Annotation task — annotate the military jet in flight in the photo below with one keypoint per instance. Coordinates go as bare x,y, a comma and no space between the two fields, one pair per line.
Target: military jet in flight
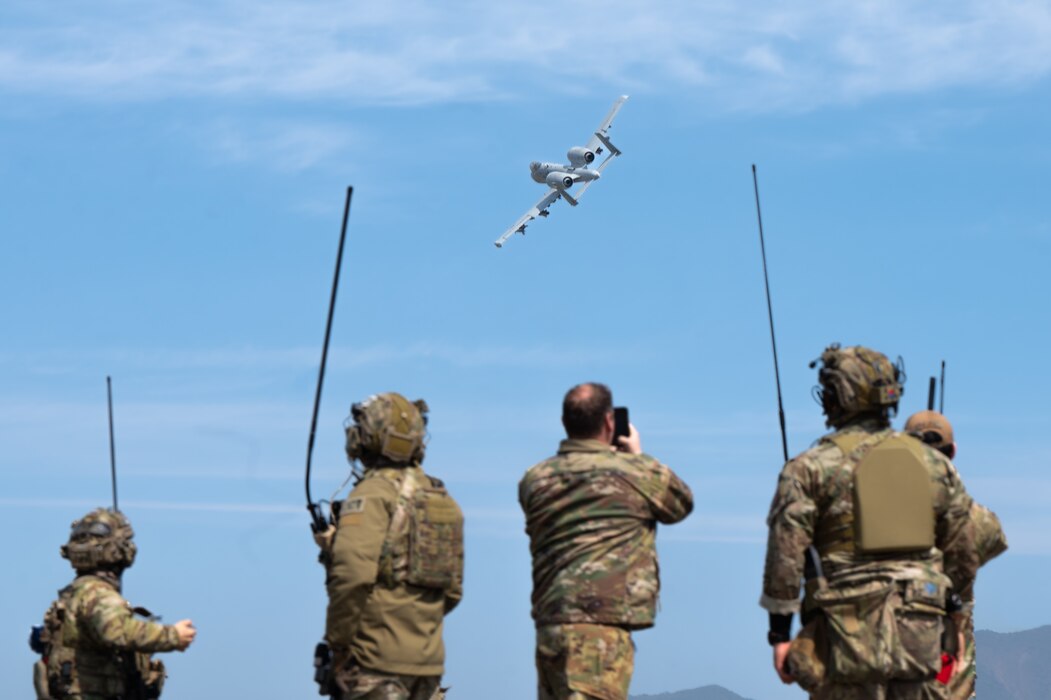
559,178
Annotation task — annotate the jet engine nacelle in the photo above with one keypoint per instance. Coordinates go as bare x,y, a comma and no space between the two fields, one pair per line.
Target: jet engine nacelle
559,180
580,156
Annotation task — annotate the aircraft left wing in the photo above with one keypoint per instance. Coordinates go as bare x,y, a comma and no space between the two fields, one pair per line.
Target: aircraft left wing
539,209
601,136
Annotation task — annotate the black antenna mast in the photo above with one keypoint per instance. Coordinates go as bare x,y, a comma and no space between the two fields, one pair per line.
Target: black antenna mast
317,518
930,394
770,314
941,401
112,444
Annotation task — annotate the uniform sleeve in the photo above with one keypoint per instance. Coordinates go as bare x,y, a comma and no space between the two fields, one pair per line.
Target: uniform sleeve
669,497
110,622
956,536
791,522
355,557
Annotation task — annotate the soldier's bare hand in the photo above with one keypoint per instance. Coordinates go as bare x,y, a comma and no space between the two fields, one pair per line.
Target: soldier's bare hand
780,657
632,443
325,537
186,631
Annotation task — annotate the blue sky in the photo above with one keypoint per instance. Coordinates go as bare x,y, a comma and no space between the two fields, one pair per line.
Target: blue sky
171,184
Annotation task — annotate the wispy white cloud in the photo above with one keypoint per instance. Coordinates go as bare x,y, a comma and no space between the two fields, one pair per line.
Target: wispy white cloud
290,146
766,54
257,358
198,507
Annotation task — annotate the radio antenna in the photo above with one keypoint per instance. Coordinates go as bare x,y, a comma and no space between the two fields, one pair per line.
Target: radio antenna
930,394
941,400
112,443
317,519
770,314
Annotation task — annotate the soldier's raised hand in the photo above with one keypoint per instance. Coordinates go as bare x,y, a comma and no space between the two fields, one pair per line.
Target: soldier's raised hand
632,443
186,631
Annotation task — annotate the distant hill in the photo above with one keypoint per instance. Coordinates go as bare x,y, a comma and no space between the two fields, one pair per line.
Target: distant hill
708,692
1014,666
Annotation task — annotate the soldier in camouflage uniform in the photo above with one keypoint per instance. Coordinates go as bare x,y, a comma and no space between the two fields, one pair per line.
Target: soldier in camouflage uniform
94,644
891,522
591,515
934,429
394,561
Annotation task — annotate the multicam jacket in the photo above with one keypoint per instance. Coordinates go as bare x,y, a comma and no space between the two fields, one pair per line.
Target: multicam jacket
102,632
591,515
389,588
817,486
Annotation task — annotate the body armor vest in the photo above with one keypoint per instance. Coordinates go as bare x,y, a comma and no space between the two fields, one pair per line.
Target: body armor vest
424,542
68,669
893,506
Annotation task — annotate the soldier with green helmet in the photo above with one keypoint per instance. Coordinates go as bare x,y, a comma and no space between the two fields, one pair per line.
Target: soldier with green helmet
890,520
394,560
934,429
591,515
94,645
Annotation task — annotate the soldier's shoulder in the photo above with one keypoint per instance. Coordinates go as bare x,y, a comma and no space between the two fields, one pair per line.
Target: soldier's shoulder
383,482
90,593
551,465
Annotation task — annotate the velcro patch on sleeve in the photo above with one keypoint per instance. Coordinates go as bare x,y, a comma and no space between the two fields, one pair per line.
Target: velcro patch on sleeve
354,505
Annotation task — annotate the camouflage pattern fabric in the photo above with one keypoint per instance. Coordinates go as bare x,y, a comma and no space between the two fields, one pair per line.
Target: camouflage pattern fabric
591,515
104,643
992,542
424,543
883,612
376,618
358,683
890,691
580,662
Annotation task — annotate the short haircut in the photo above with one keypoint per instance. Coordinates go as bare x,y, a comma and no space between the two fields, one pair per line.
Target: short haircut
584,409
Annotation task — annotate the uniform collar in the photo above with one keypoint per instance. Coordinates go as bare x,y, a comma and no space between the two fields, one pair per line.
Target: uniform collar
575,445
865,425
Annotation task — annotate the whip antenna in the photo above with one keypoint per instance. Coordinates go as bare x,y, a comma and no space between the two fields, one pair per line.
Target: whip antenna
318,520
941,400
112,444
770,314
930,394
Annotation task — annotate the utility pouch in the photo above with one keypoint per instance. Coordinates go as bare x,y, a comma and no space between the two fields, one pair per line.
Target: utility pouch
40,680
920,621
323,669
862,633
150,676
807,654
435,539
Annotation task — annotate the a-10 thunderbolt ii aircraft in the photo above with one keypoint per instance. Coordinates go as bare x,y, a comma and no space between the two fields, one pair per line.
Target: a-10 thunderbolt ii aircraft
559,178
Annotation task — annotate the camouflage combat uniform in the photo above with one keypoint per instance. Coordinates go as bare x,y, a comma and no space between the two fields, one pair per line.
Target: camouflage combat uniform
99,648
387,598
882,614
591,515
991,542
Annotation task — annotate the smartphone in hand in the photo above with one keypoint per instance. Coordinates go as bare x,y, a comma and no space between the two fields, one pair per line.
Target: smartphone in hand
620,424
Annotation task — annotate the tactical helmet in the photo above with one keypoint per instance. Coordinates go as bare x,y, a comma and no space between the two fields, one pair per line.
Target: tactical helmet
386,425
100,540
855,381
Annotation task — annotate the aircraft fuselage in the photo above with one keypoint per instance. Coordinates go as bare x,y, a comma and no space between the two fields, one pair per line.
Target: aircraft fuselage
540,171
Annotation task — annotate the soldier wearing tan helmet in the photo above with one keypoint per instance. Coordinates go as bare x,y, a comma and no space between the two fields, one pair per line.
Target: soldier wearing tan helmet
889,518
94,645
394,560
934,429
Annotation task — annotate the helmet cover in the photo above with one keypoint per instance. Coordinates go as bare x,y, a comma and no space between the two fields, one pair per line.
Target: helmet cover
102,539
856,381
386,425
